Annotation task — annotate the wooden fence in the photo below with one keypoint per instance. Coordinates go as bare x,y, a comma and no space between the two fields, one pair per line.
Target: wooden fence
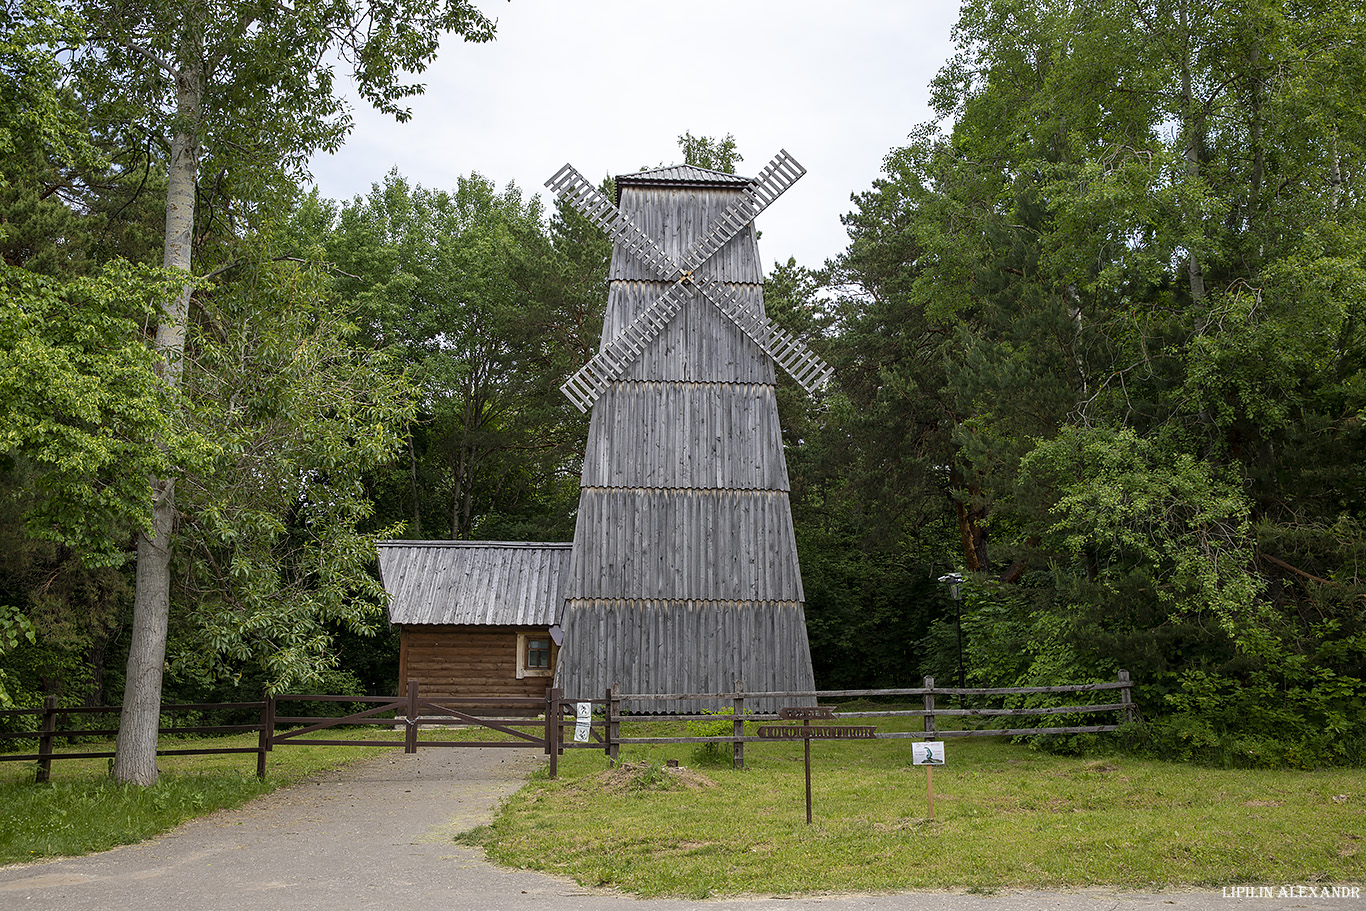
50,730
403,715
552,716
609,738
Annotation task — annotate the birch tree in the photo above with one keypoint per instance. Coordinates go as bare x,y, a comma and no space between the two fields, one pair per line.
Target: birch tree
238,94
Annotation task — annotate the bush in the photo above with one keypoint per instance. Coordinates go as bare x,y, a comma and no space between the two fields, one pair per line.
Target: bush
722,725
1255,721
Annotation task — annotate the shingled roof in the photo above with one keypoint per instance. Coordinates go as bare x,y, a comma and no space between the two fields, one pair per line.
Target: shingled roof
494,583
681,175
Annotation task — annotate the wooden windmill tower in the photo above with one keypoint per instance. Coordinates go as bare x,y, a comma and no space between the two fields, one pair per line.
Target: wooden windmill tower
683,575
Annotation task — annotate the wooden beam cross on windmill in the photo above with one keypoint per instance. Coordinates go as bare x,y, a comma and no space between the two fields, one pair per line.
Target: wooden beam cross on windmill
683,574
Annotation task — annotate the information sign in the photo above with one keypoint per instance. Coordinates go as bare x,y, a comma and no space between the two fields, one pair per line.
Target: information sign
825,732
584,711
807,713
931,752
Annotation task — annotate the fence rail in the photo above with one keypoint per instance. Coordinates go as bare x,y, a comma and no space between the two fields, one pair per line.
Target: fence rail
410,712
49,732
609,738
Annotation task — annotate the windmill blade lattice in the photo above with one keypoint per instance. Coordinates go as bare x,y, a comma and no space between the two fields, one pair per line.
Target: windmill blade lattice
593,378
584,387
598,209
799,361
773,181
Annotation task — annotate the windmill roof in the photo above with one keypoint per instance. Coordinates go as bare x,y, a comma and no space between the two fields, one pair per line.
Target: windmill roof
681,175
495,583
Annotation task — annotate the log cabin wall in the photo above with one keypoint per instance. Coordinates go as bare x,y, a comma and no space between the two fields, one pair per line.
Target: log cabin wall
467,661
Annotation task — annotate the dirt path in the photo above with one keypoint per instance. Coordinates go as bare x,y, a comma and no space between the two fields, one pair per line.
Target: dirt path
375,836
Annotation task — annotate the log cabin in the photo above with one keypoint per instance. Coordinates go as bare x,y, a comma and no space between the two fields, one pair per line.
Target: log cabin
475,617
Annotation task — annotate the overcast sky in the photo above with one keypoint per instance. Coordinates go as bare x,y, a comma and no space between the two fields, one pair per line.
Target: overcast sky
609,85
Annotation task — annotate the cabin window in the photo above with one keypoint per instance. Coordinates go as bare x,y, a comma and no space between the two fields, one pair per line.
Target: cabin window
538,652
535,655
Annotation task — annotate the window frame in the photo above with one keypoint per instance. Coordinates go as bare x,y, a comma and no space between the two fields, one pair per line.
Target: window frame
524,641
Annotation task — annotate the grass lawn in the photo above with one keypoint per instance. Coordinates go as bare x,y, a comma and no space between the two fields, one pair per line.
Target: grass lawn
1005,816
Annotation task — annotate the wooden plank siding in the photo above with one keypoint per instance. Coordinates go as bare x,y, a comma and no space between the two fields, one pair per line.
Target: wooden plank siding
668,435
473,582
685,544
466,661
683,575
690,647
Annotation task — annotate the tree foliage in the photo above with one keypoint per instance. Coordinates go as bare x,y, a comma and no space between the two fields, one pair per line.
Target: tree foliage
470,293
710,152
1111,320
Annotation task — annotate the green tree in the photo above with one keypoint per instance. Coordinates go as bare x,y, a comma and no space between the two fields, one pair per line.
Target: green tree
82,409
1121,296
200,77
468,291
710,152
272,552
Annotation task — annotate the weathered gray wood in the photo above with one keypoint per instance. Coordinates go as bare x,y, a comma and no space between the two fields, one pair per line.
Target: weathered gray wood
1125,697
473,582
655,435
684,574
929,709
707,228
684,544
667,636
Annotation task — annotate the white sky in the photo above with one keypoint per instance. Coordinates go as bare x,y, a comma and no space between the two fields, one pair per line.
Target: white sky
609,85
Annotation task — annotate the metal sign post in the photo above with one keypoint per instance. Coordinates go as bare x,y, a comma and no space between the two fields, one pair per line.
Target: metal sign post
807,734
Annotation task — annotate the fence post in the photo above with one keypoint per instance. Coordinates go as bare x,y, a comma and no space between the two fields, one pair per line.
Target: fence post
559,728
738,746
1126,697
45,738
549,716
607,726
267,731
929,709
554,709
614,725
410,720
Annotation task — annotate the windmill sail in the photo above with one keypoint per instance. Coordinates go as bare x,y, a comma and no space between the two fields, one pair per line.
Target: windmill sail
592,378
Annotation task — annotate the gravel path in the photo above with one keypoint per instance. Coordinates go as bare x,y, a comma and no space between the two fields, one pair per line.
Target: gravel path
375,836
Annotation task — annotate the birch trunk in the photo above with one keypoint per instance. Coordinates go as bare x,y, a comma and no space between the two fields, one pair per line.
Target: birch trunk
1192,125
135,751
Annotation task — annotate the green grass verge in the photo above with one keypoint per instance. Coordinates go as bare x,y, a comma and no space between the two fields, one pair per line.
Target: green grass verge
1006,816
82,810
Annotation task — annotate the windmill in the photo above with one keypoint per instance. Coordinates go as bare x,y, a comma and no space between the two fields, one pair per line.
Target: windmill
683,573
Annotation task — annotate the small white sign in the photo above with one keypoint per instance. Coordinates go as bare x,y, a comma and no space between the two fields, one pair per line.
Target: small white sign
584,711
929,753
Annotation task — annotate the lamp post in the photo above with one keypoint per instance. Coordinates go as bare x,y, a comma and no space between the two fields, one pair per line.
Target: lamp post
955,583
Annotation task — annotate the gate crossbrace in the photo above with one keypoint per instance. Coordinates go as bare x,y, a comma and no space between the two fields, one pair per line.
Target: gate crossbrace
482,722
333,722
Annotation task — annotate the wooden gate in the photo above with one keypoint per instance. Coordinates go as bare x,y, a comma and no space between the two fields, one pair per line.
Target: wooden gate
412,711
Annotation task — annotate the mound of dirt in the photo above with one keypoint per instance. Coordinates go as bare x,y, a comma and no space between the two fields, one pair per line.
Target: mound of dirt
646,776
